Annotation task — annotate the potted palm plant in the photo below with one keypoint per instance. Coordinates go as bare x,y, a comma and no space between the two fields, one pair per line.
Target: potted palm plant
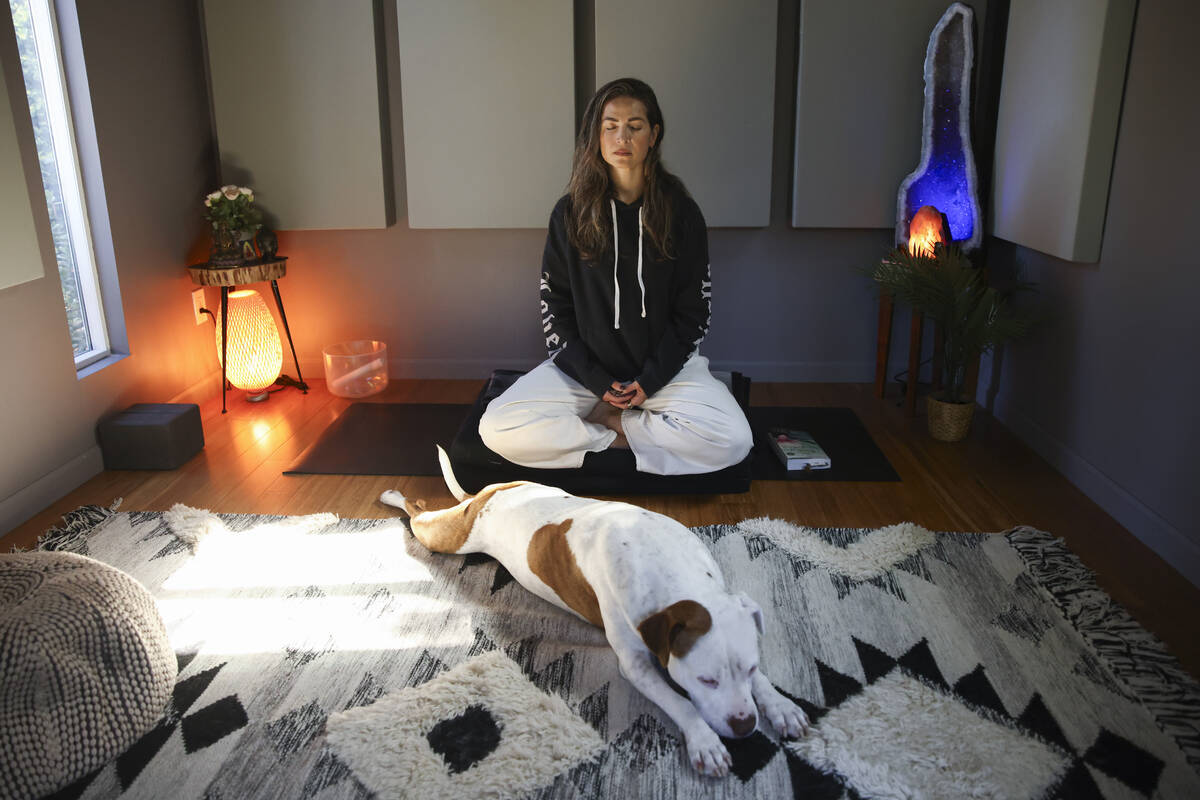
972,316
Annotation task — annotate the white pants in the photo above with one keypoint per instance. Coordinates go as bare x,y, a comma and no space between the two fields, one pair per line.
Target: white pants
691,425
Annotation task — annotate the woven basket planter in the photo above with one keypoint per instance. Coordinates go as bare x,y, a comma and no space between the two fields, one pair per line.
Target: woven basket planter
948,422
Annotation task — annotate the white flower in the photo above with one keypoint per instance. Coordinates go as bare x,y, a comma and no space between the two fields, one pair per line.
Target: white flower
214,197
246,190
230,192
208,202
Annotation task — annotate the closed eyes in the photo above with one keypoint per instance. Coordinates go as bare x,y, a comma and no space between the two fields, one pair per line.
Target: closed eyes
709,682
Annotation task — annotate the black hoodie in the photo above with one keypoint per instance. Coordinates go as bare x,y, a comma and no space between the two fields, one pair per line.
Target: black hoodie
662,313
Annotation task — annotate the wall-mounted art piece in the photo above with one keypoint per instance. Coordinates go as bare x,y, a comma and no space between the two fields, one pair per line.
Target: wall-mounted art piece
946,179
859,105
712,67
488,93
295,94
1056,128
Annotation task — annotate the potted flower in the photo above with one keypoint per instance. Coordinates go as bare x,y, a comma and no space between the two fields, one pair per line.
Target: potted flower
972,316
234,220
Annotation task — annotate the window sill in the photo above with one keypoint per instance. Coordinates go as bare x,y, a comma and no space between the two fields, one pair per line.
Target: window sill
96,366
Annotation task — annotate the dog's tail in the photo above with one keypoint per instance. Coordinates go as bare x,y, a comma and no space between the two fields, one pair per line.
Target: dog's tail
448,476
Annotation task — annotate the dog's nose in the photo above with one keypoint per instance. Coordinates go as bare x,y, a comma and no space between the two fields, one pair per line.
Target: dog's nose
742,725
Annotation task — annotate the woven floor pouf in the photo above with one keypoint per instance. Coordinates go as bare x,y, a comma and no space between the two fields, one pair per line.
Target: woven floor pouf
85,668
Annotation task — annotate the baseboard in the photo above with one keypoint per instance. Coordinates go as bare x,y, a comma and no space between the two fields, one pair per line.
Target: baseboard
477,368
51,487
1139,519
799,371
201,390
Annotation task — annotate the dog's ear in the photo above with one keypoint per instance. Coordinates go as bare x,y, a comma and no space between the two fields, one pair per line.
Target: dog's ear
755,610
675,629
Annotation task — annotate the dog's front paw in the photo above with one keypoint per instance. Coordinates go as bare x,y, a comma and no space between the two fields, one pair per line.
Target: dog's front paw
706,752
785,716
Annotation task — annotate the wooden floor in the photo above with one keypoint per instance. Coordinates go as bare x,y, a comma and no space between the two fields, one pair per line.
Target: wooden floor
990,482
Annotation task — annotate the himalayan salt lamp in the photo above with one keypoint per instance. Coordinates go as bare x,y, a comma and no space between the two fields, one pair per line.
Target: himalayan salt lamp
928,228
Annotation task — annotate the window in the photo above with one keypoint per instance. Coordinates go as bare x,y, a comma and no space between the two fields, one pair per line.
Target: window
49,108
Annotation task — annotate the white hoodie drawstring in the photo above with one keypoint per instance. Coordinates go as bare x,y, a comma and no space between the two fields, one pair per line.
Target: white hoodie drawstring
640,284
616,284
616,256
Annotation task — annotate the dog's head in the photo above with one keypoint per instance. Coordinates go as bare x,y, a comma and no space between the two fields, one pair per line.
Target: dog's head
712,653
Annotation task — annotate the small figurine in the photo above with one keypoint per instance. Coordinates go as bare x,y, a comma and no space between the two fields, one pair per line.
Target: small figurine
268,243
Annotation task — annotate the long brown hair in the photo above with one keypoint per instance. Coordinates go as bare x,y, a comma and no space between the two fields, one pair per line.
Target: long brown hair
589,223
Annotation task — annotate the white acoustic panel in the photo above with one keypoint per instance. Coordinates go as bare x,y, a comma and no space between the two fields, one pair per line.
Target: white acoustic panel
712,66
1056,128
22,260
860,91
489,108
295,93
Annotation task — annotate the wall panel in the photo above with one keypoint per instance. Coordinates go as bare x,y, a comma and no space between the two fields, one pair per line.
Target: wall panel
1056,129
295,95
712,66
489,108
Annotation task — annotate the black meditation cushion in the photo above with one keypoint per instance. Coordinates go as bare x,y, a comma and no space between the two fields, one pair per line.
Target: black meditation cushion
612,471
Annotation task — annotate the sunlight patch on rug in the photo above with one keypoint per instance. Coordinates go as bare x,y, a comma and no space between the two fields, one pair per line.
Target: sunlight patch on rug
480,730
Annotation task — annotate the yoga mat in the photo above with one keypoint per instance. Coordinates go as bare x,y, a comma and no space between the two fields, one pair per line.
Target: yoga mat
383,439
400,439
853,454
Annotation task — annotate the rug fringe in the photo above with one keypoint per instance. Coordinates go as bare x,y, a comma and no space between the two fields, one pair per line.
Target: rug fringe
72,535
1133,655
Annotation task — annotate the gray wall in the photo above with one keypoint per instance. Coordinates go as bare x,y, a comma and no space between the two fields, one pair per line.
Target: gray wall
787,304
1108,392
152,124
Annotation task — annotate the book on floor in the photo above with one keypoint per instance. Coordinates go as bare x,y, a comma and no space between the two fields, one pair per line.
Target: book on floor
797,449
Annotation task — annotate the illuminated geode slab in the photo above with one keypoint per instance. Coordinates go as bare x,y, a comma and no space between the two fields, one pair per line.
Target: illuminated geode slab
946,177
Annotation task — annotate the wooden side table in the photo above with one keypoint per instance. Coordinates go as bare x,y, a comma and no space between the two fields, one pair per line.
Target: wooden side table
232,276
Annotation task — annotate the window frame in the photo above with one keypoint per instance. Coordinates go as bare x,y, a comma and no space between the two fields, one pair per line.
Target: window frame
73,178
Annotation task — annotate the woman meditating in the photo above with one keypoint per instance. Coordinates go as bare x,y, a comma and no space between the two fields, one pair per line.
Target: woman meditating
625,297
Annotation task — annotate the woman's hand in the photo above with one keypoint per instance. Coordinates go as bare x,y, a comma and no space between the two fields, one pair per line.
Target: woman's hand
625,396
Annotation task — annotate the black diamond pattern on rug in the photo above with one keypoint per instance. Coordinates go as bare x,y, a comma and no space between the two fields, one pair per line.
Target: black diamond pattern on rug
426,668
835,686
1077,784
331,771
131,763
594,710
920,662
810,783
1120,758
750,754
367,691
976,689
213,723
1038,719
875,662
557,676
295,729
466,739
501,578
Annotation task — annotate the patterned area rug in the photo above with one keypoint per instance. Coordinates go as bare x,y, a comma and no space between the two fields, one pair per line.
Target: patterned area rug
325,658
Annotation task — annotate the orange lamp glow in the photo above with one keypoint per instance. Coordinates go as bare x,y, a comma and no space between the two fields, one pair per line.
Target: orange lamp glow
255,351
926,230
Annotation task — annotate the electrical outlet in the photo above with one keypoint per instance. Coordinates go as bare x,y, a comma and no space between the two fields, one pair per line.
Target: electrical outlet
198,305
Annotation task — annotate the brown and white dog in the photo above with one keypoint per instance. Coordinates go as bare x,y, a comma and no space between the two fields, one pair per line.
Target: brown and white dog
642,577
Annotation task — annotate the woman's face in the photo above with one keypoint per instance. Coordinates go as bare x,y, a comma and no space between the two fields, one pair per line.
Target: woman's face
625,133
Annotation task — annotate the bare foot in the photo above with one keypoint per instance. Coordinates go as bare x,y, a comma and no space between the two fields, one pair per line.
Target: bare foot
610,417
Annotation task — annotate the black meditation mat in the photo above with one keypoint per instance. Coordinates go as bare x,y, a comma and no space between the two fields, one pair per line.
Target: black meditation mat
853,454
400,439
383,439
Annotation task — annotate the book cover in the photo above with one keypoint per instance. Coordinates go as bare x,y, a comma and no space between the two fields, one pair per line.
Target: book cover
797,449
